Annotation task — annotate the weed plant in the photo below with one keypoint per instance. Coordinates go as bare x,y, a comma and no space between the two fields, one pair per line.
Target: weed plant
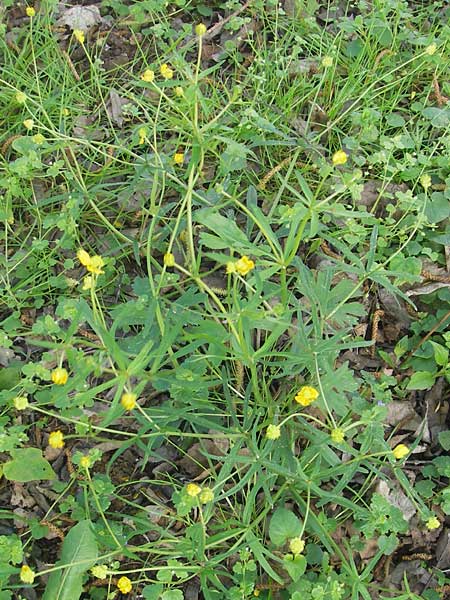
182,279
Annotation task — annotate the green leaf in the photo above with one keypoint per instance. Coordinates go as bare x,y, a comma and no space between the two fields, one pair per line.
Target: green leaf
172,595
422,380
440,354
283,526
388,543
295,566
79,553
28,464
444,439
152,592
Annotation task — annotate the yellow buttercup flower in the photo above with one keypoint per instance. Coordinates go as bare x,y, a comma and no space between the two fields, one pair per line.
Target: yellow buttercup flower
431,49
192,489
296,545
88,283
244,265
306,395
200,29
400,451
38,139
206,495
124,585
85,462
128,400
339,158
30,12
27,575
178,158
327,62
28,124
337,435
142,132
273,432
169,259
100,571
20,402
166,71
21,97
231,268
93,264
59,376
79,35
148,75
433,523
56,439
425,181
96,264
179,91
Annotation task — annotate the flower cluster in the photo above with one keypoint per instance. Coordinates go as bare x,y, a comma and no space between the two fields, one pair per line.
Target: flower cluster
400,451
205,495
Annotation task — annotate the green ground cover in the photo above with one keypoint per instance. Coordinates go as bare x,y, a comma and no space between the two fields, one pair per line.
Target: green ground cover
224,300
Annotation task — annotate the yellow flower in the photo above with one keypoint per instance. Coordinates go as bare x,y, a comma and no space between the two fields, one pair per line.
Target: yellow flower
79,35
192,489
100,571
296,545
231,268
179,91
169,259
30,11
433,523
327,62
306,395
88,283
273,432
339,158
148,75
142,132
59,376
256,593
431,49
178,158
200,29
27,575
128,400
206,495
28,124
166,71
124,585
425,180
56,439
21,98
20,402
85,462
400,451
337,435
244,265
38,139
93,264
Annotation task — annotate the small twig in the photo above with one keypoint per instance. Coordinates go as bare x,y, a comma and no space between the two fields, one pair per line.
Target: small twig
440,99
374,334
71,65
